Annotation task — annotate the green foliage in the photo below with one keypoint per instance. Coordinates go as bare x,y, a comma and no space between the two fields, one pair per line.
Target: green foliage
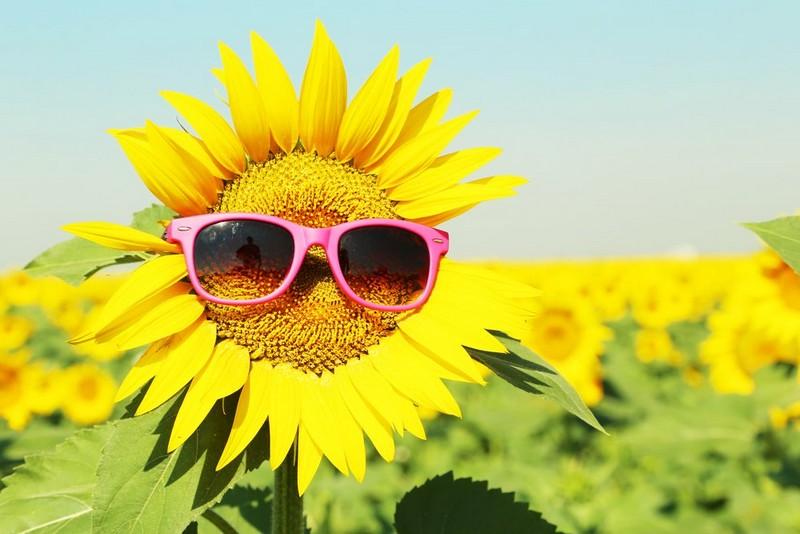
118,477
446,505
52,491
783,235
243,510
524,369
77,259
678,458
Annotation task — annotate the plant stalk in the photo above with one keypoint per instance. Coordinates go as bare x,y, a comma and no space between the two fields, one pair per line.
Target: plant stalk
287,504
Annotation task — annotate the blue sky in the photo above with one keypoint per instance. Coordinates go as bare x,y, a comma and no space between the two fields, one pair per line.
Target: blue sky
644,127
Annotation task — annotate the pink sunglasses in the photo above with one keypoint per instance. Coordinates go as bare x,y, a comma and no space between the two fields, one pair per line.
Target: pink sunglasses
247,258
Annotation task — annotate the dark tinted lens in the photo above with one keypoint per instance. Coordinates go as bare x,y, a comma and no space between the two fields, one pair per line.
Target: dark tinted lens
242,260
384,265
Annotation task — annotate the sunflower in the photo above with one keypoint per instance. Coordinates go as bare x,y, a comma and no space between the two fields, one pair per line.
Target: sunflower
568,334
321,370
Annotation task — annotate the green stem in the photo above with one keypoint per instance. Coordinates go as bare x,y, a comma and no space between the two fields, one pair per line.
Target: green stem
287,504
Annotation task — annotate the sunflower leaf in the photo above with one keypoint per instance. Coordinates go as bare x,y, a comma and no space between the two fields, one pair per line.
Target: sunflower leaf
524,369
149,219
445,505
143,488
52,491
76,259
243,510
783,235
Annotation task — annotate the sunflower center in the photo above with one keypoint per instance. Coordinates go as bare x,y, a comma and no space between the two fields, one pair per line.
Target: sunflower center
313,326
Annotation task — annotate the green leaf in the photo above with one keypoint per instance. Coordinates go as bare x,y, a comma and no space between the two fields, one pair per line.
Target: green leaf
524,369
783,235
243,510
143,488
445,505
148,219
52,492
77,259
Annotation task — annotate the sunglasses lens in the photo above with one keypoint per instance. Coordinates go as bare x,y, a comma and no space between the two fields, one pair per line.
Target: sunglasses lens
384,265
242,260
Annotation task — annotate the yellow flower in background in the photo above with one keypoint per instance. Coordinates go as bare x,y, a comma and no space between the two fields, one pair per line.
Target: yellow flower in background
735,350
313,365
14,332
88,394
567,333
658,301
775,300
13,394
44,388
655,345
18,288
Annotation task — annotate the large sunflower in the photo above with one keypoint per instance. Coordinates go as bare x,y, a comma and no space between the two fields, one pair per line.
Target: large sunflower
320,369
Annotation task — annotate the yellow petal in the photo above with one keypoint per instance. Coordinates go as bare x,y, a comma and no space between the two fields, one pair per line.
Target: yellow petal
151,278
456,197
144,369
277,92
309,456
247,107
365,114
186,174
318,420
405,90
224,373
323,95
433,339
421,118
375,391
189,351
151,169
401,365
119,237
286,397
165,318
443,173
377,428
350,433
414,156
212,129
411,420
251,411
198,150
468,330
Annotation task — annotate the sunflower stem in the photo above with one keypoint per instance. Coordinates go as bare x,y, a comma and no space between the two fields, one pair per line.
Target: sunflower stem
287,504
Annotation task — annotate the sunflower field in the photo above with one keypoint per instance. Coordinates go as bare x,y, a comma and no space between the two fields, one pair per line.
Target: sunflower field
281,343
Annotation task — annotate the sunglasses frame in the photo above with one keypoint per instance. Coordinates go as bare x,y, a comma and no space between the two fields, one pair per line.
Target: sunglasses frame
183,231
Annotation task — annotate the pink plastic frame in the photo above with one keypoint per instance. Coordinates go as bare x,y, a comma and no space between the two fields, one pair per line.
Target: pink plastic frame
183,231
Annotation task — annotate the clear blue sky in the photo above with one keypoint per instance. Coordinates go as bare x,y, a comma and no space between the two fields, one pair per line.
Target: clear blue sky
645,127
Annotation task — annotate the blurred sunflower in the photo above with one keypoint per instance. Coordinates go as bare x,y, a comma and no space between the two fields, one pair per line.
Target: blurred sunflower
775,299
88,393
13,391
321,370
736,349
567,332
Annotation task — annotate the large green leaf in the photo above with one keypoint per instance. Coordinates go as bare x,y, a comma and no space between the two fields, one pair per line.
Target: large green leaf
52,492
445,505
783,235
149,219
142,488
524,369
243,510
76,259
118,477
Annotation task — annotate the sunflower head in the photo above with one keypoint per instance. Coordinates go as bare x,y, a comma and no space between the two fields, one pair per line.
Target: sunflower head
322,370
